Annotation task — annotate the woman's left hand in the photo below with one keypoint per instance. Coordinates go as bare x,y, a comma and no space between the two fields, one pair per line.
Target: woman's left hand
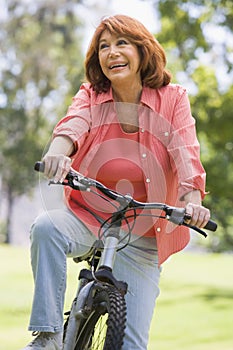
198,213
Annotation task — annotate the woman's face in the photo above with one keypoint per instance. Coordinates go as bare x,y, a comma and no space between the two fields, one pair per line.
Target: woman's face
119,59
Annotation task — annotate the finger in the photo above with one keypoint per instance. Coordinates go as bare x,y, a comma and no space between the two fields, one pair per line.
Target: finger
54,166
63,169
200,217
206,218
66,169
50,166
189,212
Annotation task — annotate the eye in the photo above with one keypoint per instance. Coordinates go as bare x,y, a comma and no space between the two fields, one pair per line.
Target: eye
122,42
103,46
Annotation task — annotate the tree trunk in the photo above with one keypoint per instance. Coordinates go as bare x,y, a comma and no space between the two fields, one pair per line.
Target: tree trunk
10,203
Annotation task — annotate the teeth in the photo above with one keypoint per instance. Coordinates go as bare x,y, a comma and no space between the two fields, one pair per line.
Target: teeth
118,65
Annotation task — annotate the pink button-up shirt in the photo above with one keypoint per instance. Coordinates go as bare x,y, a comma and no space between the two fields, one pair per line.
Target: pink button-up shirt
168,149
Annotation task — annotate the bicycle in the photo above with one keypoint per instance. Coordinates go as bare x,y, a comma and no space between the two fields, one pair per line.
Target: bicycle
97,317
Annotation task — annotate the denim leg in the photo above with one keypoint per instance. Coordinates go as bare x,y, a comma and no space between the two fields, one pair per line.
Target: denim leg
137,264
54,236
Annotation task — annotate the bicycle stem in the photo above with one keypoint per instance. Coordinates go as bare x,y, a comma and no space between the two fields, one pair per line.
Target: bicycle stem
109,253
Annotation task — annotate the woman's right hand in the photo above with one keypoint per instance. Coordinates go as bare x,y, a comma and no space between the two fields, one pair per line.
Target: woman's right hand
57,166
57,161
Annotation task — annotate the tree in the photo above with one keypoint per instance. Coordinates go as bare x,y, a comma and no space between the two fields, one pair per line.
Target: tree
198,40
41,67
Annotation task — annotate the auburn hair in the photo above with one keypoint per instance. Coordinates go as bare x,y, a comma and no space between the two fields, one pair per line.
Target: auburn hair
153,58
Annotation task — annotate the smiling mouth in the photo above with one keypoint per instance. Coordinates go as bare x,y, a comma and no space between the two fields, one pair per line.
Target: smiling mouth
118,65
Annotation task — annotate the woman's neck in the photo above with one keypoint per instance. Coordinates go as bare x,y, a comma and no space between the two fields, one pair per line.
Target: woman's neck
130,94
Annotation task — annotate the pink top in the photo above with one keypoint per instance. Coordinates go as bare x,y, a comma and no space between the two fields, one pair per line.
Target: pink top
160,163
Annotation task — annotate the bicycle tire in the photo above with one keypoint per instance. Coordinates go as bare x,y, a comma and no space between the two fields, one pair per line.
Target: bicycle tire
109,307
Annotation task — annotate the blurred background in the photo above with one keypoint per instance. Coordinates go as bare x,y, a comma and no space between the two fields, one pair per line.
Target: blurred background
42,48
43,44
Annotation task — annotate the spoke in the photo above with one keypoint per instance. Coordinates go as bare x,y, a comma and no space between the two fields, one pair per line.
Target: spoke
99,334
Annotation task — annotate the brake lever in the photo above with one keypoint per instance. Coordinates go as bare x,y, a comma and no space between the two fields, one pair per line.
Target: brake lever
51,182
197,229
175,215
179,217
73,183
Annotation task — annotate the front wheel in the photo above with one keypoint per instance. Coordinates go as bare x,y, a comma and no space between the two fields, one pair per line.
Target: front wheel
105,327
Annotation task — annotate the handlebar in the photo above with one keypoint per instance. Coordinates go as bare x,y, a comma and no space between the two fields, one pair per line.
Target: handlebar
80,182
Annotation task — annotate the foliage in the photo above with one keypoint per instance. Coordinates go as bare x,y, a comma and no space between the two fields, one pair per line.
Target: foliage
198,39
41,60
42,68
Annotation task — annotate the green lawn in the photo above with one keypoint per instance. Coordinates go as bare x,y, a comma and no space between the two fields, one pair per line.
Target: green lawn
194,310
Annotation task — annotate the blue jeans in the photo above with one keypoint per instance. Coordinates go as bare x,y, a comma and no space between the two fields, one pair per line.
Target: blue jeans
58,234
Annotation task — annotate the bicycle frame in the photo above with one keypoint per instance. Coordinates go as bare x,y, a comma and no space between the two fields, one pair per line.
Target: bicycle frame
102,254
92,280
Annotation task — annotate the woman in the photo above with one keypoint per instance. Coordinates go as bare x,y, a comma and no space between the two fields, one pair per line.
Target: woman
130,128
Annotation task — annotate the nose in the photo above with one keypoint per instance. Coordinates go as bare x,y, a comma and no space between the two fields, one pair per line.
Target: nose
113,52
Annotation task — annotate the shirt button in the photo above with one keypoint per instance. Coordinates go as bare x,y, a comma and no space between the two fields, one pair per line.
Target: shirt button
142,130
148,180
166,133
158,229
143,155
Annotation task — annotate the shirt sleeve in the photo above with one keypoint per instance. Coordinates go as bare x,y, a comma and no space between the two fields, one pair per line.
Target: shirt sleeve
184,148
77,121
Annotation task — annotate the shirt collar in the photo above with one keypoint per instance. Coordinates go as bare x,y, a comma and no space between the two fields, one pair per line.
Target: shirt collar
104,97
147,98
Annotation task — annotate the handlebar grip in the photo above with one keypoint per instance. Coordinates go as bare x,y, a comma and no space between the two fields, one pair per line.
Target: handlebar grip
211,226
39,166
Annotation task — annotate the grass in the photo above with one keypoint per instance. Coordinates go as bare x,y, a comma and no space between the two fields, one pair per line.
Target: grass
194,310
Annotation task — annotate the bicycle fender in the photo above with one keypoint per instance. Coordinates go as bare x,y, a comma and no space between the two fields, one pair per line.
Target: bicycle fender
82,298
71,332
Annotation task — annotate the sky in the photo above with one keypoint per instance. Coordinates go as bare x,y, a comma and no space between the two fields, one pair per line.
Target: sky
94,10
141,10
